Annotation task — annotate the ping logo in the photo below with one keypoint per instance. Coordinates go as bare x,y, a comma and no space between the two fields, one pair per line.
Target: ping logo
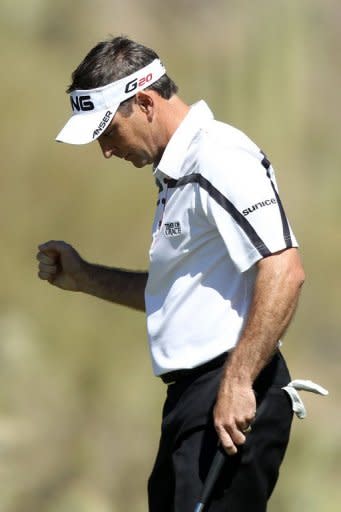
172,229
134,84
83,103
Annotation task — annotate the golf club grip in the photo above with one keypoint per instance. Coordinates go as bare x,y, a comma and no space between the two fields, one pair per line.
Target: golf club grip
217,464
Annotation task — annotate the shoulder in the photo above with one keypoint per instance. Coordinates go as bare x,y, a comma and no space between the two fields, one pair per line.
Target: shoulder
226,155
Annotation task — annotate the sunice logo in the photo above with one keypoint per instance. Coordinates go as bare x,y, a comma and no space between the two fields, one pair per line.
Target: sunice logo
261,204
134,84
83,103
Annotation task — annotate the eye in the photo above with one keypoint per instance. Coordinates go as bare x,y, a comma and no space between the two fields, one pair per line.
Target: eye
109,132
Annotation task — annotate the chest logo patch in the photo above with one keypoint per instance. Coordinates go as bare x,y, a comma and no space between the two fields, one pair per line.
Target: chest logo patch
172,229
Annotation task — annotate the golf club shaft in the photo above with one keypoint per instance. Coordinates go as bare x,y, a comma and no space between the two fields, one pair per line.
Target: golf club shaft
216,466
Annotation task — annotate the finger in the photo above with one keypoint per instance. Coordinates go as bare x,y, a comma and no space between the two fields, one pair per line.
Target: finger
237,436
244,423
226,441
46,276
233,430
47,268
246,430
250,417
49,258
53,246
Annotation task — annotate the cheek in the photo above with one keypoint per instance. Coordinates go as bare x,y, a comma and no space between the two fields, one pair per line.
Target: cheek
128,138
141,132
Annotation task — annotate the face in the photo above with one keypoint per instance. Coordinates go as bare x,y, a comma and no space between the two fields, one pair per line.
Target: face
130,138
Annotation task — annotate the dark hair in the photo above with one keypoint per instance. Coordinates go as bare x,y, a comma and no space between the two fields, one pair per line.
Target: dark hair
114,59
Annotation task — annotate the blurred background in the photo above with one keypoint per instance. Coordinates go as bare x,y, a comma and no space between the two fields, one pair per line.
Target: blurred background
79,407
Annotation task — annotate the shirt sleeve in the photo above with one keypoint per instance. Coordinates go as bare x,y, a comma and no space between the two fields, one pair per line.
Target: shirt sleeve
242,201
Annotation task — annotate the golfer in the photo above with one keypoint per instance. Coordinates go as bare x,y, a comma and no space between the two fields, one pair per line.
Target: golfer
222,285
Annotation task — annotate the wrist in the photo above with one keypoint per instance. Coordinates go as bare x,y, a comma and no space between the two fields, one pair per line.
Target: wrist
239,370
240,379
84,276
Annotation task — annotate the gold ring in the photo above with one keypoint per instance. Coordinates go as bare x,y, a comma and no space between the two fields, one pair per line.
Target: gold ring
247,430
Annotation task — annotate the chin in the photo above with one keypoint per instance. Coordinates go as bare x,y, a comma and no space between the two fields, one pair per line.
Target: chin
140,162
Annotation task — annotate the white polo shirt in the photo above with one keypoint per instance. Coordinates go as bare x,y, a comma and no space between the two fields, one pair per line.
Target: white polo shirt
218,213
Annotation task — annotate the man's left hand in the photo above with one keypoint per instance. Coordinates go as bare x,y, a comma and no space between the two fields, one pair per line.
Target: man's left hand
234,412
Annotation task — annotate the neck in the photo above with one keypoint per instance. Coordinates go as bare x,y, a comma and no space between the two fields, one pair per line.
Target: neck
170,115
174,115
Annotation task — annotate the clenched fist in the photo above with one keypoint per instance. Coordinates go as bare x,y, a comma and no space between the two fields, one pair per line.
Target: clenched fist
61,265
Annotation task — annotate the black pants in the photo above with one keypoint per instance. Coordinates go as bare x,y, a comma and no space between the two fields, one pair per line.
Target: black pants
188,443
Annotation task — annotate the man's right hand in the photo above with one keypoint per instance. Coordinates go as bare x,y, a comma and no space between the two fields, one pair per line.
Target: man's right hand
61,265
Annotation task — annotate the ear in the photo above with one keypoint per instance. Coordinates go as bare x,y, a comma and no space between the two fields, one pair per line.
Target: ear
145,102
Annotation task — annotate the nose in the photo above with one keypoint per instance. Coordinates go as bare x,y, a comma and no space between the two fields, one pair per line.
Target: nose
107,149
107,153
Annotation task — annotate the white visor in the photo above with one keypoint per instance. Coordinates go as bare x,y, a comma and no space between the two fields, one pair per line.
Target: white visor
93,109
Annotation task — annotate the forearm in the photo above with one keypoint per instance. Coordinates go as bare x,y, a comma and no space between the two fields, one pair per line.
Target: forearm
115,285
275,298
277,286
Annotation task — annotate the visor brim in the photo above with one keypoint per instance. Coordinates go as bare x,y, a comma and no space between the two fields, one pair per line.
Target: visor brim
86,127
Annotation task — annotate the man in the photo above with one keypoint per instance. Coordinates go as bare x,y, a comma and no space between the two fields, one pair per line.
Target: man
222,286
